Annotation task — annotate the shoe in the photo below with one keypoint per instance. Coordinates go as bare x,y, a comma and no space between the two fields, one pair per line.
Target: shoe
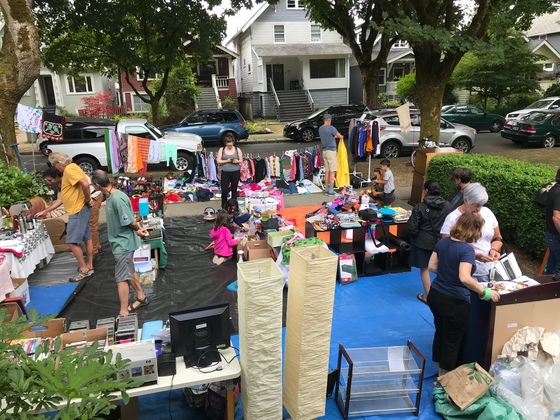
220,260
422,298
215,259
331,193
80,276
137,304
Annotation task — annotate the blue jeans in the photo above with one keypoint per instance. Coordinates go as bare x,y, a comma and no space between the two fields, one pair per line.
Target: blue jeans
553,262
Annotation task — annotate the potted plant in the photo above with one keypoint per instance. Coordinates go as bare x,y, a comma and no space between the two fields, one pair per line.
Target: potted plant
19,186
82,381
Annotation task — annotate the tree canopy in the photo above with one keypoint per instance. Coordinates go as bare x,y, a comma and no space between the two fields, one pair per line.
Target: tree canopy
497,70
132,37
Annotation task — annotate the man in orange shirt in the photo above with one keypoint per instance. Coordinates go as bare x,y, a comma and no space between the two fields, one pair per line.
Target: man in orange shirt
76,197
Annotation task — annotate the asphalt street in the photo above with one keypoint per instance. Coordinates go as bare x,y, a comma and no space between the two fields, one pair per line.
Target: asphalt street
486,143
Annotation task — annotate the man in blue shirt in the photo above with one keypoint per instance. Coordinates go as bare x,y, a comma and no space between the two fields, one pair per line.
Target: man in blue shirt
328,135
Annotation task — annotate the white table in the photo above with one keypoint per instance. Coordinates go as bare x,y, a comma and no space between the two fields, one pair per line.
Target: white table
38,247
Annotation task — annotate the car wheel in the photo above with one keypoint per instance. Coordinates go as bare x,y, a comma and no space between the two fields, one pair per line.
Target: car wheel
390,149
549,142
185,161
229,135
496,126
307,135
462,144
43,148
87,164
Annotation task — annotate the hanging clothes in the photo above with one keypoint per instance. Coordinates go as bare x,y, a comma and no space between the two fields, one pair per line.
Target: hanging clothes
144,151
170,152
260,169
343,172
122,140
29,119
52,127
116,162
212,168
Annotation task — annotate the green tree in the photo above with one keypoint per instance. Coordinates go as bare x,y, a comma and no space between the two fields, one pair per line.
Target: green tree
440,32
19,67
406,89
130,37
553,90
342,16
498,69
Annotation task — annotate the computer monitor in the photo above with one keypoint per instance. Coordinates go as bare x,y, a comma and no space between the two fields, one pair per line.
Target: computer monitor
198,333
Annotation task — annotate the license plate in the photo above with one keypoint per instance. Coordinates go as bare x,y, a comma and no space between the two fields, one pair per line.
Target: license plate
515,128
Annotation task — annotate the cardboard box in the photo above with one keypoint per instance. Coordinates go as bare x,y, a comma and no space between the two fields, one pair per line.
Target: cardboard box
51,329
275,238
347,269
81,337
143,360
143,254
21,289
13,311
257,250
466,384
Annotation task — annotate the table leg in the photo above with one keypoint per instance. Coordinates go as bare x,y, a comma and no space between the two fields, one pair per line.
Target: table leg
229,400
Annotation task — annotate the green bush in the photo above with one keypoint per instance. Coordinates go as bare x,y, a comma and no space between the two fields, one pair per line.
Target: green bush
19,186
553,90
511,187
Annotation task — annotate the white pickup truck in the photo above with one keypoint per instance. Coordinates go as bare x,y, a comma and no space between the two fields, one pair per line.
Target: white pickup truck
85,144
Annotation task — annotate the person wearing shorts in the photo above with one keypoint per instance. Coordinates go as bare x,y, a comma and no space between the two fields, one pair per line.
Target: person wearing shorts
76,197
388,182
124,235
328,135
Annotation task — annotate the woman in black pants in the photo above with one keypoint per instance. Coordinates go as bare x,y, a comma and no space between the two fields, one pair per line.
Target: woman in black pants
229,158
453,261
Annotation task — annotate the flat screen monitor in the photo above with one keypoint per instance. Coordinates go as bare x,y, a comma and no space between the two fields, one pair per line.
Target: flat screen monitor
198,333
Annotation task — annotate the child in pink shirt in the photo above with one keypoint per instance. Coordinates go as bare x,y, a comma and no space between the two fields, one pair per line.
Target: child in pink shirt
221,235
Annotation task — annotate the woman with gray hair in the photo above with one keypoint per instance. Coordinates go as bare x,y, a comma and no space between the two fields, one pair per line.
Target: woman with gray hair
488,247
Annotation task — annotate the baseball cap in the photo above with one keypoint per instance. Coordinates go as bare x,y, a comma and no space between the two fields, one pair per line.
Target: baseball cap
327,117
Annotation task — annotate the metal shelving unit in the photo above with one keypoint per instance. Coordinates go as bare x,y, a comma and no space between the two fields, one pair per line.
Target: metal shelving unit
379,380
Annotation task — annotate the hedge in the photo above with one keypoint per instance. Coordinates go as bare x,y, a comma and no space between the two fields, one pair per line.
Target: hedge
511,187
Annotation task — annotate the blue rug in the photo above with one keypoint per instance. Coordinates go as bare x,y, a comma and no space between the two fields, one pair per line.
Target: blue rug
50,299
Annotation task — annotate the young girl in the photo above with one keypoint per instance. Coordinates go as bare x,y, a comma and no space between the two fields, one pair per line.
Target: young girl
239,219
223,242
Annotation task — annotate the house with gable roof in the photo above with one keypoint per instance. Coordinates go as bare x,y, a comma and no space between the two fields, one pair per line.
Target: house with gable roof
544,39
289,66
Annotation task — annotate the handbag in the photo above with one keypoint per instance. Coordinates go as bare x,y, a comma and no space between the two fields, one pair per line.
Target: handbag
506,268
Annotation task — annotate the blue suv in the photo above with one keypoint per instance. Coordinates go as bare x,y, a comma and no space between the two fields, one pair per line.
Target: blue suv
213,125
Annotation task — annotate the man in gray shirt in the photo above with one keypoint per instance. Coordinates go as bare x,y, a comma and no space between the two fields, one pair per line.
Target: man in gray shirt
328,135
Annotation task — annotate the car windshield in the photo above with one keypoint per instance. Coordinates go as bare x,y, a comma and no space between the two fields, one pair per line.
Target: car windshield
543,103
536,117
154,129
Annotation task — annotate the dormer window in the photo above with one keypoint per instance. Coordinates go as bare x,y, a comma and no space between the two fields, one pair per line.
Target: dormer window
294,4
400,44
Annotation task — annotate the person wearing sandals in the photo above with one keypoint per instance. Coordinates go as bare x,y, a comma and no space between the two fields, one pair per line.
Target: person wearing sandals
76,197
124,235
423,229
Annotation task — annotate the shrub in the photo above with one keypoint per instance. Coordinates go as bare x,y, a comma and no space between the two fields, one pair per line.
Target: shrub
228,103
98,106
553,90
19,186
511,187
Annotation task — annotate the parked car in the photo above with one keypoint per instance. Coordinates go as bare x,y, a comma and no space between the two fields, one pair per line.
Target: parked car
78,128
540,128
213,125
89,152
394,143
307,129
552,102
473,116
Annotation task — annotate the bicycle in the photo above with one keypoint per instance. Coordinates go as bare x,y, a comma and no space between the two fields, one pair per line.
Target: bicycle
427,144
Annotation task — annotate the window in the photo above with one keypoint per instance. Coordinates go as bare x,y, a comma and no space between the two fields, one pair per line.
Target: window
327,68
213,118
400,44
315,33
249,69
397,73
382,77
80,84
548,67
196,119
138,105
294,4
279,34
205,71
152,75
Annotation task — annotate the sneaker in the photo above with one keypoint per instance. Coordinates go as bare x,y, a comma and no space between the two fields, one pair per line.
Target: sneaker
220,260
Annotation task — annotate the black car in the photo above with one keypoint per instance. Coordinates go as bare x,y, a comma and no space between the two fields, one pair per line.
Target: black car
308,128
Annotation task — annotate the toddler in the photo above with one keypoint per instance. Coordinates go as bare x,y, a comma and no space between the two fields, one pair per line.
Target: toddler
221,235
239,219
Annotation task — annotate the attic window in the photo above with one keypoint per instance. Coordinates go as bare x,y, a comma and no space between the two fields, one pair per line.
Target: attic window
400,44
294,4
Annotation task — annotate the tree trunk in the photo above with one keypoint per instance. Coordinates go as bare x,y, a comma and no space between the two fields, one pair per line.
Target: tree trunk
431,77
370,82
154,103
19,67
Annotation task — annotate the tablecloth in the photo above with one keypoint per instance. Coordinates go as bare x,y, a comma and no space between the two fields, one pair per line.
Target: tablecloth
38,247
6,285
